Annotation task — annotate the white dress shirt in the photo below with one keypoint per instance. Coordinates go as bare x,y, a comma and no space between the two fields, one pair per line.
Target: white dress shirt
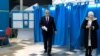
47,18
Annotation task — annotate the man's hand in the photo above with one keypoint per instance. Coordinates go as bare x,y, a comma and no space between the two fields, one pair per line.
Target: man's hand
44,28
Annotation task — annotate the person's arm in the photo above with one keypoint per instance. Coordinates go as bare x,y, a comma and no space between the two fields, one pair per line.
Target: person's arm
42,26
95,26
84,25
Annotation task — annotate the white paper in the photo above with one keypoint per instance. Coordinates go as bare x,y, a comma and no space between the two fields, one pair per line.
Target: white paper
44,28
31,16
17,24
31,24
25,16
17,16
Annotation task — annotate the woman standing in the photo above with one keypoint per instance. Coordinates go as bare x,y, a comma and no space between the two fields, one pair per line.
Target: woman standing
90,27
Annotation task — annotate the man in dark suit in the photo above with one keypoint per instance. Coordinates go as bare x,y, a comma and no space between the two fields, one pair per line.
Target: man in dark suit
48,27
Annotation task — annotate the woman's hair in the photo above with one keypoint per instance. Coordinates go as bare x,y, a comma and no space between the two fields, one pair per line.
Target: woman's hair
90,13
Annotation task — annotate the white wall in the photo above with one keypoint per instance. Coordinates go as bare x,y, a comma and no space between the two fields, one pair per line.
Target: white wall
25,34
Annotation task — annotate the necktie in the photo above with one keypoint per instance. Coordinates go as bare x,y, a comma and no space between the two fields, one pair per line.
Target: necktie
47,19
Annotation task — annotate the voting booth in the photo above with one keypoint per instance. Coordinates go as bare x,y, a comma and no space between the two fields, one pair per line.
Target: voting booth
24,22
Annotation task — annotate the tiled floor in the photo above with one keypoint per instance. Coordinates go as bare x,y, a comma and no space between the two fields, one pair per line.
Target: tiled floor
27,48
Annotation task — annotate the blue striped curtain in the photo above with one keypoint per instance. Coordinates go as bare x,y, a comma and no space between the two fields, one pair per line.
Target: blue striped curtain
38,13
78,14
61,25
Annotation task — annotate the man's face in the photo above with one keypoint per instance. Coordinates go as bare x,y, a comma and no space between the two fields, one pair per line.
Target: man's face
47,13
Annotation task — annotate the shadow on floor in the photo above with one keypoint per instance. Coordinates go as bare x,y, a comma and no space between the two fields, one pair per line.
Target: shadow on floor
10,50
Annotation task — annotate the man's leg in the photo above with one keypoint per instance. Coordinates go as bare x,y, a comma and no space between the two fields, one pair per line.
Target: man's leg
49,44
45,42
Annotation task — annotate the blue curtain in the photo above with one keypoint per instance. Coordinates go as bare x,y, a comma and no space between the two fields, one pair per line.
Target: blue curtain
78,13
74,26
98,17
97,14
61,25
38,13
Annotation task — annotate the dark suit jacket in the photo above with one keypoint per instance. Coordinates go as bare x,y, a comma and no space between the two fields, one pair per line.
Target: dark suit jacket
51,24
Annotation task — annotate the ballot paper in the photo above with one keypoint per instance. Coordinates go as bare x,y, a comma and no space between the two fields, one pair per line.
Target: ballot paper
44,28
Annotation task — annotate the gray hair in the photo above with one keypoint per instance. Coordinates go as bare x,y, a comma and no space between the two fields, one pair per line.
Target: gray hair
47,10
